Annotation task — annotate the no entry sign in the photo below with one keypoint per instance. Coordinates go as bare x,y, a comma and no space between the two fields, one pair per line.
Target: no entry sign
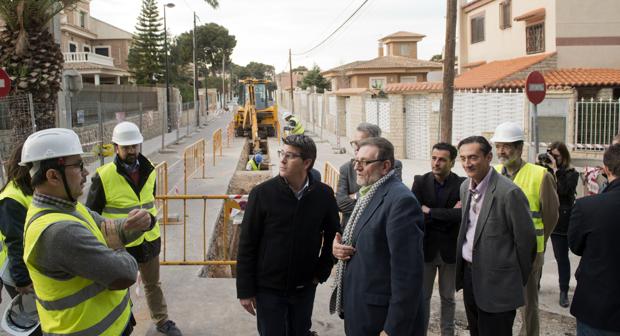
535,87
5,83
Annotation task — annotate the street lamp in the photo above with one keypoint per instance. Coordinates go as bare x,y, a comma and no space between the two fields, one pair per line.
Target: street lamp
169,5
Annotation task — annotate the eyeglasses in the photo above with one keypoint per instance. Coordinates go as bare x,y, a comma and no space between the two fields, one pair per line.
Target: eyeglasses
288,155
77,164
363,163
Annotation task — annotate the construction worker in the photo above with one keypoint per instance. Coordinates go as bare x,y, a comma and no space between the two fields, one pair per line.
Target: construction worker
294,125
255,162
79,269
117,188
539,187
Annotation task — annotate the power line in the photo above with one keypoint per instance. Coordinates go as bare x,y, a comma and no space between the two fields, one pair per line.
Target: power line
334,32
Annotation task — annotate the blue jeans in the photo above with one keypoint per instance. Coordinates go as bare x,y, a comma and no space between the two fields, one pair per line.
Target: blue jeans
586,330
279,314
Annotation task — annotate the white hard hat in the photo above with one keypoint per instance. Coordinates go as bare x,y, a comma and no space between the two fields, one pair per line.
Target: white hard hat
286,115
49,144
20,317
508,132
126,134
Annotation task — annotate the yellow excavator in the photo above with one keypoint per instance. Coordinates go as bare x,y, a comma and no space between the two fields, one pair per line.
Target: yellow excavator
257,118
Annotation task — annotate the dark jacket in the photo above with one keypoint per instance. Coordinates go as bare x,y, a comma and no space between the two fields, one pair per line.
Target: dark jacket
347,185
96,201
441,225
12,219
567,180
593,234
286,243
383,280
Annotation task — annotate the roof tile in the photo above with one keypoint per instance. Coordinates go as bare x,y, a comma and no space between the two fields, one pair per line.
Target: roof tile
572,77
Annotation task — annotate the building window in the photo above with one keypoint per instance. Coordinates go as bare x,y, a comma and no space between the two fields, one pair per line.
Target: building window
82,19
73,47
405,49
505,15
377,82
103,51
86,48
535,38
477,29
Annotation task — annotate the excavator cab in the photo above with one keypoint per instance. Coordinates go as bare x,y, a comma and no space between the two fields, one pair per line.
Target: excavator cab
257,118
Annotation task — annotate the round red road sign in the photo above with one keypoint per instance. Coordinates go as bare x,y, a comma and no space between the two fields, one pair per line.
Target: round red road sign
535,87
5,83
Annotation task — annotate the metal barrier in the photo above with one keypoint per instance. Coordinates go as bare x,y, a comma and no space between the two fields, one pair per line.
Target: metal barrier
230,132
217,143
230,202
193,160
331,175
161,185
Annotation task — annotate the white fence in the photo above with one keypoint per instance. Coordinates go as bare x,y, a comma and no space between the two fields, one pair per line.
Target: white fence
596,123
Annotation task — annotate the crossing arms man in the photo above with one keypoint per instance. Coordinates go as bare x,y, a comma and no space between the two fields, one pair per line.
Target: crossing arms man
294,125
63,240
538,185
118,188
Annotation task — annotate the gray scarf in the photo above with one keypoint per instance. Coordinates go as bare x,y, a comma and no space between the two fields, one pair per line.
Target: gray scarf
335,302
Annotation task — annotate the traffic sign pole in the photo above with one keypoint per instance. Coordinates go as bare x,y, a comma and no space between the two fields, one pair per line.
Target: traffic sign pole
5,83
535,89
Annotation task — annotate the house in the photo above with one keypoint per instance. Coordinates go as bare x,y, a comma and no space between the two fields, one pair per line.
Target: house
97,50
283,79
396,62
582,34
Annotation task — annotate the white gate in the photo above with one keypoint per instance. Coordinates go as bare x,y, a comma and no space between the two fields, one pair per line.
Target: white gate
378,113
417,126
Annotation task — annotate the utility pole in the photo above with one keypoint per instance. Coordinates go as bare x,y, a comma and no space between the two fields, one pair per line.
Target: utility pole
230,83
223,78
445,117
196,102
290,68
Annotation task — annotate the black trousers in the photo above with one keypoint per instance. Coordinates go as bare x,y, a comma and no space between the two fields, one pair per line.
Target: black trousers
483,323
560,251
280,314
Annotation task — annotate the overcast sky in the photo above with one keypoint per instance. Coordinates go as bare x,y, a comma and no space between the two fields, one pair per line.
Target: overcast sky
266,29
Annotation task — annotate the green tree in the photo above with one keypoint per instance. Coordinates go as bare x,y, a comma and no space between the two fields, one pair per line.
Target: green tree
300,68
30,56
314,78
213,42
437,58
146,53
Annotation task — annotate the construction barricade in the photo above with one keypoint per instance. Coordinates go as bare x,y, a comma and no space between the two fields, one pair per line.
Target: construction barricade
218,248
230,133
193,161
217,143
331,175
161,185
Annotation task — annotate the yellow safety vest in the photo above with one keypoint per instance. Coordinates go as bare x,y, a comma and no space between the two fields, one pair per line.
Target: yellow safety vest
120,199
75,306
529,178
254,165
299,129
11,191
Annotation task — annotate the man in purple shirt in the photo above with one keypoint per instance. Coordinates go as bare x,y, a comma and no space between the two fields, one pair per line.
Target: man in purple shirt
496,244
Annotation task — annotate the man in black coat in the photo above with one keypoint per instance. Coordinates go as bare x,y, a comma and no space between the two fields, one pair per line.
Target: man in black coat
438,193
284,249
593,234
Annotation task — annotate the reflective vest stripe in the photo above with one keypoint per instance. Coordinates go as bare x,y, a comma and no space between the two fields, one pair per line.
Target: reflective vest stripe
536,214
253,164
127,210
74,299
104,324
298,129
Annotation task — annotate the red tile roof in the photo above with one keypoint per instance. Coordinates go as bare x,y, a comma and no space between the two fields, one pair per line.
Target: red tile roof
402,34
396,62
418,86
572,77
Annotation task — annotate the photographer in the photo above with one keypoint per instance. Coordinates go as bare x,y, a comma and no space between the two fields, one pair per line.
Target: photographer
558,161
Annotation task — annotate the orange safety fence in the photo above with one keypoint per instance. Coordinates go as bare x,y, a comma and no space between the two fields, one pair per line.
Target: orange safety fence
217,143
161,185
193,161
193,252
331,175
230,133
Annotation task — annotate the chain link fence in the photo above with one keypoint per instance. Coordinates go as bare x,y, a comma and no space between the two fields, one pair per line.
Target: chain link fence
16,123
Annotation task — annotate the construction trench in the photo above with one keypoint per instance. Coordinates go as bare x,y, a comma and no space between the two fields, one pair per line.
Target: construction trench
222,244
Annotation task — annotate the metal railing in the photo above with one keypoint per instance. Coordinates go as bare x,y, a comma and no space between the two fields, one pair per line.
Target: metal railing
223,236
193,160
596,123
217,143
331,175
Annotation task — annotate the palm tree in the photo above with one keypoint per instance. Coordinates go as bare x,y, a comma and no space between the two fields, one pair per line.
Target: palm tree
30,56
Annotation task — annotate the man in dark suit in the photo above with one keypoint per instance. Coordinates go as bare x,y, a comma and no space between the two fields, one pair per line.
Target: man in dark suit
496,244
593,234
379,275
346,192
438,193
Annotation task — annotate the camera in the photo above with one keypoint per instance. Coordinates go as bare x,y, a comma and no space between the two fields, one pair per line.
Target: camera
544,159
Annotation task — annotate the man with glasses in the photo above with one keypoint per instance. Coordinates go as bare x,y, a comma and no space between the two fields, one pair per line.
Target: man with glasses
282,255
378,285
347,190
117,188
76,260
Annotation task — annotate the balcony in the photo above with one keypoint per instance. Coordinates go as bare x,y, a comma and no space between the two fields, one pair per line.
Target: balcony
88,57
